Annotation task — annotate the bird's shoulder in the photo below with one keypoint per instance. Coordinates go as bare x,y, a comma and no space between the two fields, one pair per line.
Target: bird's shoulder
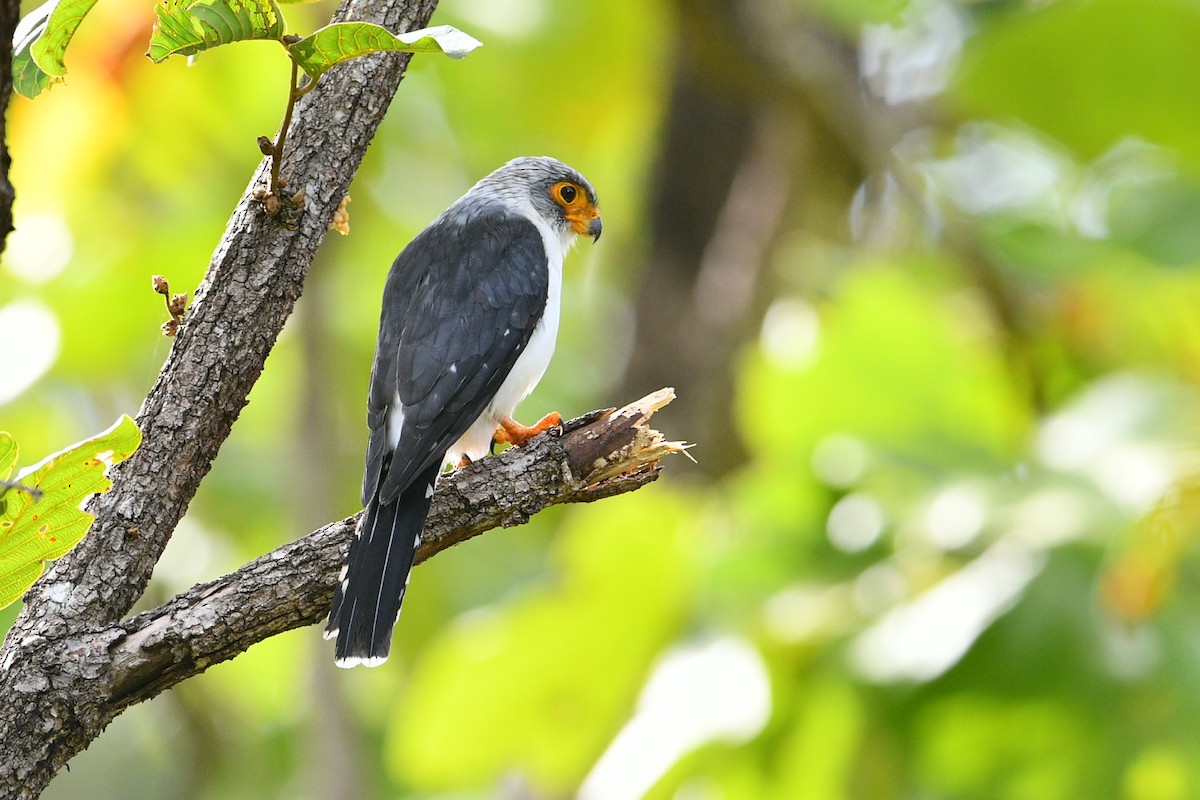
468,232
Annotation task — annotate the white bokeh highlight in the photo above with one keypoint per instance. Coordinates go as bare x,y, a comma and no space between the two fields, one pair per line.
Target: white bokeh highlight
699,694
31,337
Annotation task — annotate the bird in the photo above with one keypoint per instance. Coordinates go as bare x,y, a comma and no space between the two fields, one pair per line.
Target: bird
470,315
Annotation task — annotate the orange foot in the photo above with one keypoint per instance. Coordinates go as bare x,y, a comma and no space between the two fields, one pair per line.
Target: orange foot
516,434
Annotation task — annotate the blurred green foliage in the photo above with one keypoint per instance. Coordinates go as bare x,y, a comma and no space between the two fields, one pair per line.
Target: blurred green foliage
960,557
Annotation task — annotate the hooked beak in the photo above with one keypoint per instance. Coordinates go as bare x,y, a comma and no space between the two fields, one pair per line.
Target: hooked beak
586,221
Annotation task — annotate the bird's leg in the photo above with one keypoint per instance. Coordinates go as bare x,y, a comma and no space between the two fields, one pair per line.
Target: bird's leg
465,461
516,434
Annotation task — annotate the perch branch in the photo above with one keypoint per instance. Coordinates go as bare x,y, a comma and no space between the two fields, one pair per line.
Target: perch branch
291,586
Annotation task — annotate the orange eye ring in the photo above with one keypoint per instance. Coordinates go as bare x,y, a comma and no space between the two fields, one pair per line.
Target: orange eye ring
567,193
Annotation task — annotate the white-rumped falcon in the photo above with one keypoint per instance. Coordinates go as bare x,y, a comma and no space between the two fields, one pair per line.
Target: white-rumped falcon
470,315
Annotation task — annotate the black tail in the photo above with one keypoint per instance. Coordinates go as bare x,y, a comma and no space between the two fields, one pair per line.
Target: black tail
367,599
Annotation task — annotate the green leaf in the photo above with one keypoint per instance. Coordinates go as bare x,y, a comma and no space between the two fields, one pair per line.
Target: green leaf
928,392
343,41
50,47
8,455
29,79
1158,220
35,530
1056,69
185,29
40,42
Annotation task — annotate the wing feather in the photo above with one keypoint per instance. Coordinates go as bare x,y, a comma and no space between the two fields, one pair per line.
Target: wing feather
450,297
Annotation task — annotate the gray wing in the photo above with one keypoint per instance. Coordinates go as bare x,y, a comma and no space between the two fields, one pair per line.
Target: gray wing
460,304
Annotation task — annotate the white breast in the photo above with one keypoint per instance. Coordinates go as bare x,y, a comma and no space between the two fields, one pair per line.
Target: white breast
534,359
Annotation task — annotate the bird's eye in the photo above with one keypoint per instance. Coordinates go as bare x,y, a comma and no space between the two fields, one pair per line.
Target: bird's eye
568,193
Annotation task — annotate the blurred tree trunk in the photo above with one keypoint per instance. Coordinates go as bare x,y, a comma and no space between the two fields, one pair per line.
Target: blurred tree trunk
744,148
333,767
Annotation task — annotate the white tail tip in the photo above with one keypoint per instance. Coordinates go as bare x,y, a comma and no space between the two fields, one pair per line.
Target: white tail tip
349,662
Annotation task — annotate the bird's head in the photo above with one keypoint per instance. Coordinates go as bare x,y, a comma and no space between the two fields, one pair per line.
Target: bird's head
557,192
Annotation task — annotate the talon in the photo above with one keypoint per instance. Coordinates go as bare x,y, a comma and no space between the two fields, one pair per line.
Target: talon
516,434
465,461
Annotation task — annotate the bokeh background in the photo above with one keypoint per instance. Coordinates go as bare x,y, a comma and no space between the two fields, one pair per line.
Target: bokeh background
924,275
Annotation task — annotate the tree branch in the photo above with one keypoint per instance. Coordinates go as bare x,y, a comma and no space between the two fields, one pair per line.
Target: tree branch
597,456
